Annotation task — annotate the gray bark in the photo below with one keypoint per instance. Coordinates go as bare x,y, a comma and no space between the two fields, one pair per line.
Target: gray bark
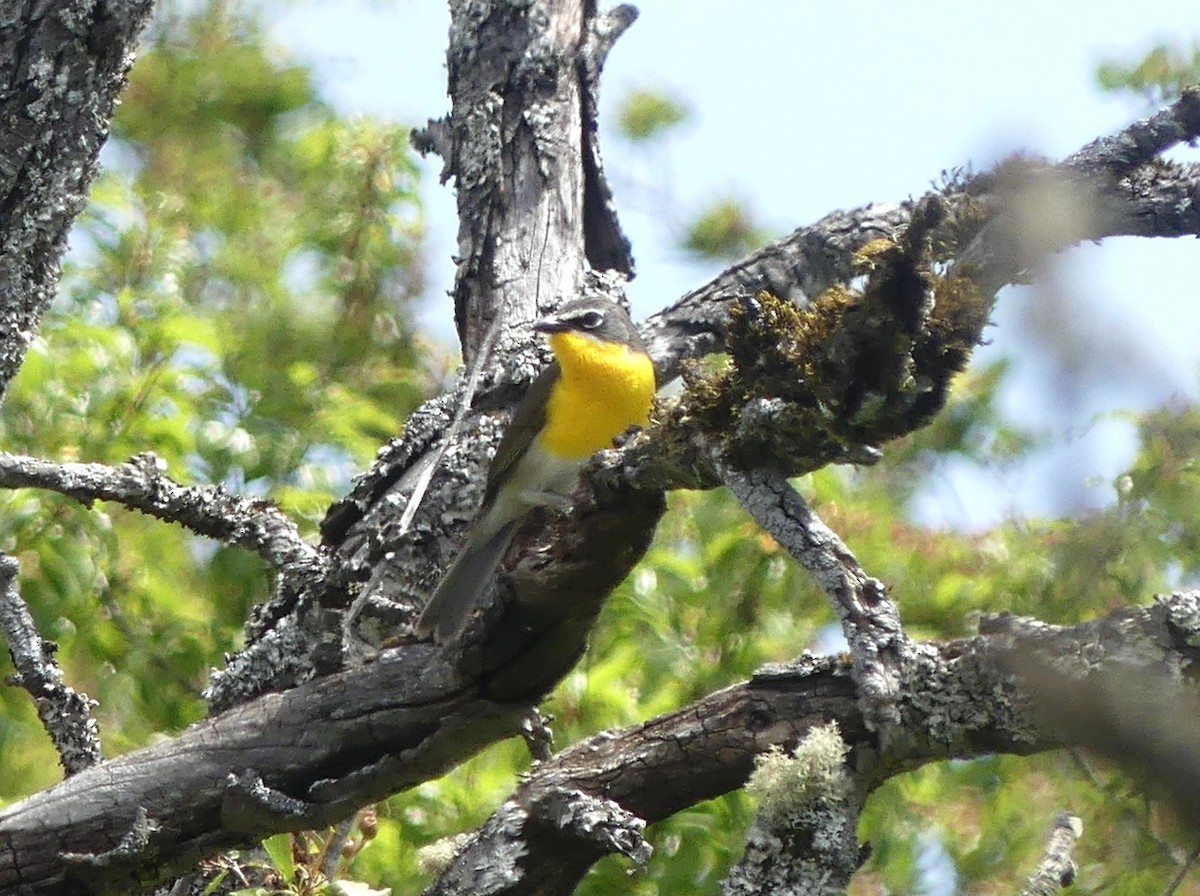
1057,867
345,727
65,713
960,699
62,65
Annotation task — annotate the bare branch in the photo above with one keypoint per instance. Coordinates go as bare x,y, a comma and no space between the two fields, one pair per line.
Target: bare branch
869,618
66,714
321,750
141,484
1120,177
576,824
304,758
1140,713
1056,871
798,267
1119,154
958,699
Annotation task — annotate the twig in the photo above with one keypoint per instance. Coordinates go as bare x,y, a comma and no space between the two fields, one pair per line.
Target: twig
464,404
1057,867
141,484
66,714
539,738
337,841
1183,872
869,619
1137,144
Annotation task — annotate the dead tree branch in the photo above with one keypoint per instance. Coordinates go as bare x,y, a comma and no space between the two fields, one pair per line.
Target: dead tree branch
870,620
142,484
62,64
66,714
1121,178
1056,870
958,699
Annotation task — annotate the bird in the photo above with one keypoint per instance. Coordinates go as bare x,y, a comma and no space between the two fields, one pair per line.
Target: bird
600,383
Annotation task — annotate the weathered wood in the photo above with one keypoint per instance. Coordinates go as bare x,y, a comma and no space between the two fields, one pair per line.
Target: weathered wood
62,64
300,759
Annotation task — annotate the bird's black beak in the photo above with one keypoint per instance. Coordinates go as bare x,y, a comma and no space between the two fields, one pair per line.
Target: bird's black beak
551,325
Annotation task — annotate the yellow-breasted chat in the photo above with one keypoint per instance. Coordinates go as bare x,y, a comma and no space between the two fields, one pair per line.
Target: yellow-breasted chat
600,383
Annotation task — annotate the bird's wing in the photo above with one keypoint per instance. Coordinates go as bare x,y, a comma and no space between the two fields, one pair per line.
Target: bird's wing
527,422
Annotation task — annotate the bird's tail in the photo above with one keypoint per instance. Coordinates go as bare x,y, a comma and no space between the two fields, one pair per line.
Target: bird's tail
464,584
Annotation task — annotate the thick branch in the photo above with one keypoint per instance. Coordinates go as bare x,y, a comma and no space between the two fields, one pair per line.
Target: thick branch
302,759
1120,178
62,64
798,267
1138,713
958,700
607,247
514,144
323,749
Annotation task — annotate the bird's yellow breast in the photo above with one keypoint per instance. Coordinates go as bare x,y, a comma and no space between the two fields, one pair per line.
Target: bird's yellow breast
605,388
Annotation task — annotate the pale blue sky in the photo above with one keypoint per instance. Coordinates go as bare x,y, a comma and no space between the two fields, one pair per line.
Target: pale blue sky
802,108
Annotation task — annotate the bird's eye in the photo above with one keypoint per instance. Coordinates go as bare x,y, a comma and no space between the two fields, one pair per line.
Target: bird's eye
590,320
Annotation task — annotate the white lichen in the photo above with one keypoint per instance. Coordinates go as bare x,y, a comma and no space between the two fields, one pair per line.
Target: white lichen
785,786
434,858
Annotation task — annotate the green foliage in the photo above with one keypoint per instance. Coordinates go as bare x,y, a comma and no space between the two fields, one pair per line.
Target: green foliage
645,115
237,304
297,864
992,815
290,230
715,599
1160,76
724,230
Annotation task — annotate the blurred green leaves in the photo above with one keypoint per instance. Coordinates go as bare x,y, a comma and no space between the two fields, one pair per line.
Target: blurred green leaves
645,114
237,302
724,230
720,229
1158,77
